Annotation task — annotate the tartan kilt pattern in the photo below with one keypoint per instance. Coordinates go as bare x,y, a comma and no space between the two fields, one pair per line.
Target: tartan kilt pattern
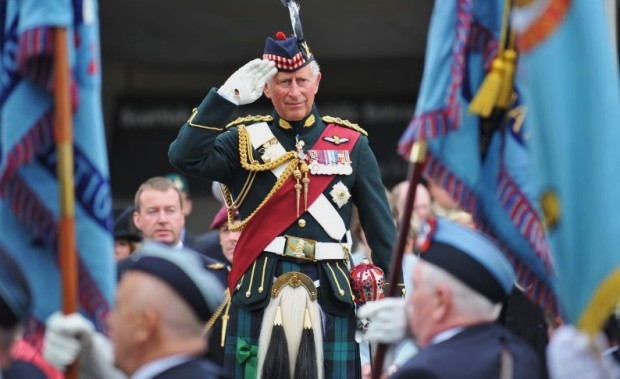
340,351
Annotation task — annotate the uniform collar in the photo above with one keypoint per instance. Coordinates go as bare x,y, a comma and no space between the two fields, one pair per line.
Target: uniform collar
306,123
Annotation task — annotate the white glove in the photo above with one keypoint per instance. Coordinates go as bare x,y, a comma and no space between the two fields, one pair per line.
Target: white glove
571,355
245,86
69,337
387,320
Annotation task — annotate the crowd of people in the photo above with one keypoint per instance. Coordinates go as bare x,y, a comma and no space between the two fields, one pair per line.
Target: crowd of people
461,315
266,292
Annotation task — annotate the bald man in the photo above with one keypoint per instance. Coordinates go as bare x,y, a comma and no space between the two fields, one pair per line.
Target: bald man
157,328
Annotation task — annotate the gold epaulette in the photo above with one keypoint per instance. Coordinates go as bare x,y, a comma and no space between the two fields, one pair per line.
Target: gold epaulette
216,266
249,119
347,124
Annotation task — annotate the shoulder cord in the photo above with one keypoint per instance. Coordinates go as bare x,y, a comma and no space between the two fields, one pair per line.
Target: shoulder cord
253,166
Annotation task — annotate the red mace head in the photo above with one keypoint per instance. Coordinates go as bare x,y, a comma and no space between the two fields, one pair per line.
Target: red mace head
367,281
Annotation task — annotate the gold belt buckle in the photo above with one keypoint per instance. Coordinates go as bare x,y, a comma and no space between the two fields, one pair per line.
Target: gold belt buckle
300,248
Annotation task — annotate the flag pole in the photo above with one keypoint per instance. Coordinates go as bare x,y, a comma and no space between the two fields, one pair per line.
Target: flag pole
417,158
63,136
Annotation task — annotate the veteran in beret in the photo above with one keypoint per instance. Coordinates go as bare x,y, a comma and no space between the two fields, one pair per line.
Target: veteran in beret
293,176
459,284
157,327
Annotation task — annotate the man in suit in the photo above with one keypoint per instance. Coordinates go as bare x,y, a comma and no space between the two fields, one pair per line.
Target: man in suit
459,284
158,215
157,327
294,177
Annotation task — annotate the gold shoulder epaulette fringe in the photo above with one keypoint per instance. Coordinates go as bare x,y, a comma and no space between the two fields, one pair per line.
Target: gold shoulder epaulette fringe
346,123
249,119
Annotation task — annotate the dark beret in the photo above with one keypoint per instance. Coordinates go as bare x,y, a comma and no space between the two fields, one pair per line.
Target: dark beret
471,257
185,273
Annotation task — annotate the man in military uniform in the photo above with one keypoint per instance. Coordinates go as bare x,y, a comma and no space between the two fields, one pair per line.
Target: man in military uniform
294,177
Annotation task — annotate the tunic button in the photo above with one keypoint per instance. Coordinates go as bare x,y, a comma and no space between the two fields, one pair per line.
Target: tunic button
301,222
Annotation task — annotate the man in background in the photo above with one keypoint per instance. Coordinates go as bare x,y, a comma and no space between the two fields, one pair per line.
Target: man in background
227,238
126,237
158,215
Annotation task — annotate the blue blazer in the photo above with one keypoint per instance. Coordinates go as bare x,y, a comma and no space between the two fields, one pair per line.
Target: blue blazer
473,353
23,370
195,368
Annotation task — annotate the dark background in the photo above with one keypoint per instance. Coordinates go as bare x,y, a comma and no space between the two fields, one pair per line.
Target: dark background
161,57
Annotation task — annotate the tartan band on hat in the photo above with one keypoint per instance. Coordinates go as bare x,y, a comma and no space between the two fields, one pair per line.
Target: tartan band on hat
288,53
472,258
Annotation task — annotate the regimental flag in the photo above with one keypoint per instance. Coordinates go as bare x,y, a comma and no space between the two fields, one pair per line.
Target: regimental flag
482,162
29,194
571,90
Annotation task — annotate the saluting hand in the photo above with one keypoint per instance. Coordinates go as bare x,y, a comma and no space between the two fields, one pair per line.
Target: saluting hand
245,86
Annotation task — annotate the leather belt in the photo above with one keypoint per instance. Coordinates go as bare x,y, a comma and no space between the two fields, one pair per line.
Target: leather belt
304,248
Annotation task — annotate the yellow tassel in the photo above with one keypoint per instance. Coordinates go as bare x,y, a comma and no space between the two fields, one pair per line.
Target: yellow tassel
504,100
486,98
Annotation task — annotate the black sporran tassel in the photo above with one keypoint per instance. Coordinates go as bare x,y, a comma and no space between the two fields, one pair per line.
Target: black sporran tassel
305,365
276,363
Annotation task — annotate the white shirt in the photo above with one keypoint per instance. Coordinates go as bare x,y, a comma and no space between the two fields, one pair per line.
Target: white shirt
446,334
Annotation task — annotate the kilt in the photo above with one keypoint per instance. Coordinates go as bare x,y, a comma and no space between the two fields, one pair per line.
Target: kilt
340,351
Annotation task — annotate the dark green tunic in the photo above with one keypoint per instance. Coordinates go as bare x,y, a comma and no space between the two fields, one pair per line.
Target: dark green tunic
205,147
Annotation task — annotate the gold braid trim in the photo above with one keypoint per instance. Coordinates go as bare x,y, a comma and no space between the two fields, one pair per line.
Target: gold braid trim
190,121
247,160
253,166
347,124
251,119
238,226
218,311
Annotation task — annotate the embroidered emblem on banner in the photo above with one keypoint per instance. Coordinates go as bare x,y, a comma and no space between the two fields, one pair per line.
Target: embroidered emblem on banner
330,162
340,194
